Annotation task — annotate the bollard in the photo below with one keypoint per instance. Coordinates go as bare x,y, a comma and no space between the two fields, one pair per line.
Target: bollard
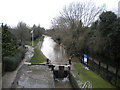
69,68
47,61
69,61
52,67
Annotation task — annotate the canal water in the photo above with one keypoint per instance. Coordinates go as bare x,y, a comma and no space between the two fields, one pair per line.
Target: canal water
56,54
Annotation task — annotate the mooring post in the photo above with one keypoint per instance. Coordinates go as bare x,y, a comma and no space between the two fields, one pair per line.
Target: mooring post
69,68
69,61
52,68
47,61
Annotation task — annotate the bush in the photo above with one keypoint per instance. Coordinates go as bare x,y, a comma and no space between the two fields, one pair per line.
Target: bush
20,54
10,63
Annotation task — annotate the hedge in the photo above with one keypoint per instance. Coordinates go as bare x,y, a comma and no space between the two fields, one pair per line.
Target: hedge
10,63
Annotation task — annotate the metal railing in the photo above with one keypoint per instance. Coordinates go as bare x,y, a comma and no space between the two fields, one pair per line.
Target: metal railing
87,84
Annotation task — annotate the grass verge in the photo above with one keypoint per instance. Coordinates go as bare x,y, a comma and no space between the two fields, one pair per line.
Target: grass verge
35,42
38,57
87,75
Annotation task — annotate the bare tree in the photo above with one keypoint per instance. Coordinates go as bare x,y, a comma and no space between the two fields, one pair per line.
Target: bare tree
76,13
71,26
22,33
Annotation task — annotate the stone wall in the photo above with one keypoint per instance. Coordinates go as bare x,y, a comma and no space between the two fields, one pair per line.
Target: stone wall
74,81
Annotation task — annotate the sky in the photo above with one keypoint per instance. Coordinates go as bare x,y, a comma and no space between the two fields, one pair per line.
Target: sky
40,12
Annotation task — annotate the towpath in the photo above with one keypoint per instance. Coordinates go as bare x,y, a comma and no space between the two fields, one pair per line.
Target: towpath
9,77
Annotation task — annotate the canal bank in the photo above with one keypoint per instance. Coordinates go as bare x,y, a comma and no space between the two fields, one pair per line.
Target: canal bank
57,56
77,78
74,80
34,76
9,77
38,76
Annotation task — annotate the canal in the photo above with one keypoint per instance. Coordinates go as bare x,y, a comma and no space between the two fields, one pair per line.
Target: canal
57,55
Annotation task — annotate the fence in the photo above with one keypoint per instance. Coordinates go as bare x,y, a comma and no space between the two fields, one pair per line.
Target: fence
107,72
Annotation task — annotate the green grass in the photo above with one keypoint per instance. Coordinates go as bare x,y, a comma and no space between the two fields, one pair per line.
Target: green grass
29,43
34,42
87,75
38,57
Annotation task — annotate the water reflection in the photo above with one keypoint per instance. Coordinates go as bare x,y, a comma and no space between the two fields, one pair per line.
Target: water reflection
56,53
53,51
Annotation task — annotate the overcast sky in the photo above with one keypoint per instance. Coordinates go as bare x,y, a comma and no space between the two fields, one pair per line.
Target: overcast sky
39,11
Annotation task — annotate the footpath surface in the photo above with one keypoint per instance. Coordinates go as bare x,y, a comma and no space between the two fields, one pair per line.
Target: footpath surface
29,76
9,77
34,77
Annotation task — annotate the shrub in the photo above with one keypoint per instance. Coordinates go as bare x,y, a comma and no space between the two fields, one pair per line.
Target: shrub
10,63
